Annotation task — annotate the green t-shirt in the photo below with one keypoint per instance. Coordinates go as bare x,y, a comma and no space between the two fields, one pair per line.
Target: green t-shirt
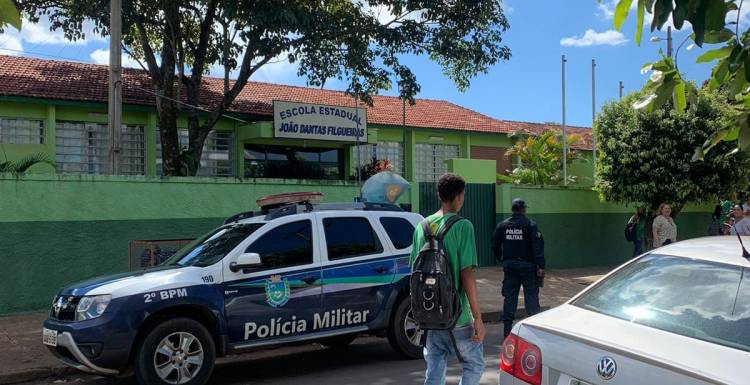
461,249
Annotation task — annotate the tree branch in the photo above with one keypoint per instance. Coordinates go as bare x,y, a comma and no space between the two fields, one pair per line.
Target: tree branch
148,53
199,56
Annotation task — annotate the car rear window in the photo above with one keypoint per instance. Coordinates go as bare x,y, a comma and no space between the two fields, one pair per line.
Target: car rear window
698,299
399,230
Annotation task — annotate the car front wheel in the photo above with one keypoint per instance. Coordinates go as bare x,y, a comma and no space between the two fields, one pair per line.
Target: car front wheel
404,334
176,352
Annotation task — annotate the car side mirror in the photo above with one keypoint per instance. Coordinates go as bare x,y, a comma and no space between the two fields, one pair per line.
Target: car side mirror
246,261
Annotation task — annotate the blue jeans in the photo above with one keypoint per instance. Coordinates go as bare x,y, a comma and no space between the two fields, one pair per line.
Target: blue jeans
439,348
516,274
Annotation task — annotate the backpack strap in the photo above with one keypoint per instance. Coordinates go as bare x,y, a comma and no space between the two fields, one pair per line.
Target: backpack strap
455,346
447,226
426,229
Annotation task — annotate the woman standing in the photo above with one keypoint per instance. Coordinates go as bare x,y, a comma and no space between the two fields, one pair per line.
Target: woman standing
664,228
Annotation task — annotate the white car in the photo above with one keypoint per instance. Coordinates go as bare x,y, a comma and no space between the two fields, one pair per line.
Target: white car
679,315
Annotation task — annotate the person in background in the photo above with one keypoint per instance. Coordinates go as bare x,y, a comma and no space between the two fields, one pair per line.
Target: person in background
746,205
664,228
519,246
640,223
717,220
741,224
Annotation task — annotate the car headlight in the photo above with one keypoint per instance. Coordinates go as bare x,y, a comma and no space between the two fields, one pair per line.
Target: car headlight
92,306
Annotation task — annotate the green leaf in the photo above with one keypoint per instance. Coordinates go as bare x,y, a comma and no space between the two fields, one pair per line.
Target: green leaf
621,12
743,140
733,133
662,11
639,21
714,54
679,95
716,14
9,14
716,37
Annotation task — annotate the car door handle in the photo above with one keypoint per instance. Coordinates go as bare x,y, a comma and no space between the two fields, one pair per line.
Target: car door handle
380,269
310,279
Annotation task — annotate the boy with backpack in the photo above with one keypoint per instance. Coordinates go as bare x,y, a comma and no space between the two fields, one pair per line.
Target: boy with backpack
443,287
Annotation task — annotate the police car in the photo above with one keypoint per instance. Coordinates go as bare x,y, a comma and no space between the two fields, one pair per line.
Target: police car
295,271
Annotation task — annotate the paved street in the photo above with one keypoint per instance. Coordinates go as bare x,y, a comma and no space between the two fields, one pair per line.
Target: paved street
368,361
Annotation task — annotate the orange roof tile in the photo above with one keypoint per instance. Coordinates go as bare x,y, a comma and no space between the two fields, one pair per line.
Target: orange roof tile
63,80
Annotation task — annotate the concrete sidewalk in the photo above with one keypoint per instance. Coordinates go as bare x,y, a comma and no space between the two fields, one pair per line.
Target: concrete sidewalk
24,358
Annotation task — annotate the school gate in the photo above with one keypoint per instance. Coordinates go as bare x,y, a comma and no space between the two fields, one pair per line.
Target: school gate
479,208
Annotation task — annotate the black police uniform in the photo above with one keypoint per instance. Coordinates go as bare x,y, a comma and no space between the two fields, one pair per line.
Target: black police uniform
519,246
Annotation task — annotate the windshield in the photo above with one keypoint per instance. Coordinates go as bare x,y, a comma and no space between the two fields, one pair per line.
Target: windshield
213,246
698,299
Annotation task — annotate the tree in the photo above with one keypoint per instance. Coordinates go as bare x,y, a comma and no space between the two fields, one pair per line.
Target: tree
645,156
22,165
540,159
9,15
361,42
711,24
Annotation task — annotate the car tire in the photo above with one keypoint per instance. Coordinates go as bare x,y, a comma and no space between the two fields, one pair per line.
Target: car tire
192,353
338,342
403,334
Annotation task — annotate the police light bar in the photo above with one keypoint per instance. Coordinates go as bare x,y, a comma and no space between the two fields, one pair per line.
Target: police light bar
276,200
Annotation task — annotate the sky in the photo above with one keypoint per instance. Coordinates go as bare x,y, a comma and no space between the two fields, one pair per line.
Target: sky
525,88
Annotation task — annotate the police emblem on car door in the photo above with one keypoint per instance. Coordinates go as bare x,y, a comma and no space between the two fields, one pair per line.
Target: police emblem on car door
277,291
280,298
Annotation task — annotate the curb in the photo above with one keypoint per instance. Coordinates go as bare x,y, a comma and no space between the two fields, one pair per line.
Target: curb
15,377
25,375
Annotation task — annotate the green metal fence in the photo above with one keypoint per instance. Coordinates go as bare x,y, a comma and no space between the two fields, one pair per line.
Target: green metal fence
479,208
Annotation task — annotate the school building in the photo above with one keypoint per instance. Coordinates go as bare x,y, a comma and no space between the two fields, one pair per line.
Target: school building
74,221
60,108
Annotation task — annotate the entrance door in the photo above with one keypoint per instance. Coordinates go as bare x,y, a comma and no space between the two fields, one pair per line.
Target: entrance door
358,272
279,299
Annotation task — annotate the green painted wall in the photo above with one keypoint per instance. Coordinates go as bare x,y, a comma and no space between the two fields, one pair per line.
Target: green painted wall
58,229
579,230
474,170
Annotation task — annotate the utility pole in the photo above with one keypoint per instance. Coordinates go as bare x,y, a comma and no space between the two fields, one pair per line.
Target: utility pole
621,88
115,86
593,110
564,134
403,136
669,42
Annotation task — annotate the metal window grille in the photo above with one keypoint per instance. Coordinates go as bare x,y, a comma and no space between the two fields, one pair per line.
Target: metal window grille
83,148
430,160
21,131
218,153
133,160
392,151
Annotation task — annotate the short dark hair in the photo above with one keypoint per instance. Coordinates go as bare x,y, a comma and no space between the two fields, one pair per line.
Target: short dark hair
449,186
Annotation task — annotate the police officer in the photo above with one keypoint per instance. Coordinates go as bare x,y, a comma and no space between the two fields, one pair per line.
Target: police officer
519,246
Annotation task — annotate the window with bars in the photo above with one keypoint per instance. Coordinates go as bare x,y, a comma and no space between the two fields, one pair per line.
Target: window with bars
83,148
430,160
393,151
21,131
217,159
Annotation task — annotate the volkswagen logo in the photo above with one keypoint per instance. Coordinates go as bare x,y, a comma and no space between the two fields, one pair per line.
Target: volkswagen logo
606,368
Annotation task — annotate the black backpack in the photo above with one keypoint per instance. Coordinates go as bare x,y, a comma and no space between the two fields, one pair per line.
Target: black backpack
435,301
630,231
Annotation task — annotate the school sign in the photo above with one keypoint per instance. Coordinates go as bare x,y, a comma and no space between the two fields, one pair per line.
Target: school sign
319,122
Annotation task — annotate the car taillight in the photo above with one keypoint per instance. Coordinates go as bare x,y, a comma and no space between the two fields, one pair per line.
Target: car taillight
521,359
